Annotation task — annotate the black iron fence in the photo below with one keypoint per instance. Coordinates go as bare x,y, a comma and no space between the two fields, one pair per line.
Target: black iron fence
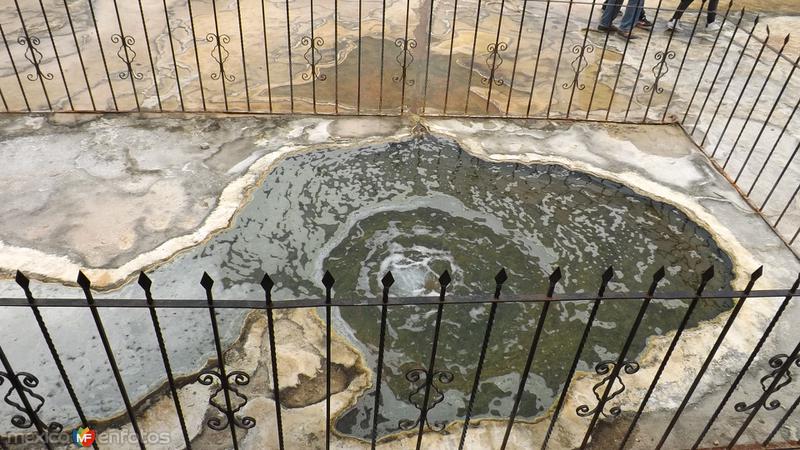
429,378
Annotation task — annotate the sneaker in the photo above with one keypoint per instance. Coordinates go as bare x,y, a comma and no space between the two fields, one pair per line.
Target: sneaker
673,25
645,24
607,29
627,35
713,27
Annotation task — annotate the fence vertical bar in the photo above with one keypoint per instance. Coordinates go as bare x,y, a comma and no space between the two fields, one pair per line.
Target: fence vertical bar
244,55
220,60
207,284
752,110
657,277
472,57
55,52
496,50
708,60
328,281
738,99
266,50
172,52
336,56
428,57
124,43
444,281
80,55
383,52
86,286
775,147
581,52
358,65
619,73
706,277
289,50
749,362
786,208
24,283
780,177
20,390
734,313
450,55
555,277
558,60
28,42
516,56
103,55
499,279
538,57
404,78
721,65
150,56
686,54
387,281
145,283
641,63
196,54
607,275
267,284
16,72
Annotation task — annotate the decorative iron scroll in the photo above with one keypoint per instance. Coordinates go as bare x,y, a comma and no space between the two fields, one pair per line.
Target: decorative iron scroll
404,58
494,61
220,54
778,363
34,56
26,420
417,397
313,56
579,64
659,70
237,399
127,55
603,368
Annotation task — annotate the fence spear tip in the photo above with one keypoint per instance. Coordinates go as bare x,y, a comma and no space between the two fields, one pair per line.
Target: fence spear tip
22,280
445,279
708,274
608,274
144,281
555,277
501,276
206,281
327,279
267,283
387,280
83,281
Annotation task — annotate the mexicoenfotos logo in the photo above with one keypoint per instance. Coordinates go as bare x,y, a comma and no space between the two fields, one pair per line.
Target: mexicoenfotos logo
83,437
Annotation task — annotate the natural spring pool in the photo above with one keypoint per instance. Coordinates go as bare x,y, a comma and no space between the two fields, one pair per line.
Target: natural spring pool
422,206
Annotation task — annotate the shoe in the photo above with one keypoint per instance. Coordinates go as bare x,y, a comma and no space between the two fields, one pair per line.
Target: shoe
673,25
607,29
644,24
627,35
713,27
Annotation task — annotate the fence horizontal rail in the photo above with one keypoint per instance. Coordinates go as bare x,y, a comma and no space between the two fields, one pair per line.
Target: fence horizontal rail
394,301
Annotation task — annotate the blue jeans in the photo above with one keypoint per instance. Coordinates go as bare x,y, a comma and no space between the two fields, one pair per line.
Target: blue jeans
632,12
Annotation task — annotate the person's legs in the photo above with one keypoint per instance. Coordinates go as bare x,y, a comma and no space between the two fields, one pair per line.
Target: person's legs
632,12
712,10
681,9
610,13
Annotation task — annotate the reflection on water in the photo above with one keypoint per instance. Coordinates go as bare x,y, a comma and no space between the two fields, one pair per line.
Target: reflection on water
423,206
